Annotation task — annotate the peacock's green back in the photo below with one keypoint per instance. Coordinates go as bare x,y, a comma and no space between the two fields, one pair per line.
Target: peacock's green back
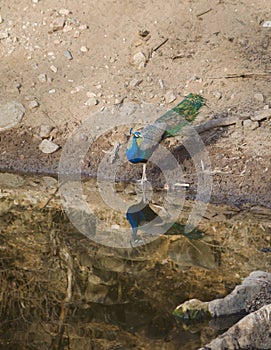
181,115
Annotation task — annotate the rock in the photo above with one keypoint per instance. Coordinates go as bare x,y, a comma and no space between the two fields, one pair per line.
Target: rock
140,59
68,54
251,332
260,115
135,82
10,115
92,101
42,78
45,131
3,34
1,19
249,124
259,97
83,27
161,83
170,97
48,147
217,94
64,12
33,104
57,24
52,91
91,94
84,49
267,24
67,28
53,68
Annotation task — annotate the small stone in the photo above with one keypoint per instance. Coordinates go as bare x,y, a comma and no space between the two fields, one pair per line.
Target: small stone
161,83
92,101
217,94
91,94
76,34
267,24
170,97
53,68
249,124
35,1
48,147
260,115
83,27
10,115
68,54
67,28
84,49
42,78
135,82
33,104
64,12
57,24
52,91
45,131
3,34
259,97
140,59
1,19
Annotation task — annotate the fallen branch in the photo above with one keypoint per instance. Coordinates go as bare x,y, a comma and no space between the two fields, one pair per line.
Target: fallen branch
243,75
216,123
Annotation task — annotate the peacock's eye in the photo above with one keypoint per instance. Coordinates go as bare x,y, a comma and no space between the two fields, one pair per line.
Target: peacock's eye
137,134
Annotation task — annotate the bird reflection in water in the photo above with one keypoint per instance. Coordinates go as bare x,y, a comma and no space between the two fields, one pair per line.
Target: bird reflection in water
142,217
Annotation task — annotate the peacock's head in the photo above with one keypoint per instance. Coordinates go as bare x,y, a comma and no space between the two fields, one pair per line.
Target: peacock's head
136,134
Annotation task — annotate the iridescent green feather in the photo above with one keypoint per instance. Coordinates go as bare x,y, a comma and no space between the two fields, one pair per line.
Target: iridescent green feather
181,115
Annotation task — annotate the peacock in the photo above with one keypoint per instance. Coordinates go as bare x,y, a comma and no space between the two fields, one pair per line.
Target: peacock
141,214
142,144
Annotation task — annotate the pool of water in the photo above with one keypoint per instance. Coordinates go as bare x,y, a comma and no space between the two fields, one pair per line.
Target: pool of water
92,277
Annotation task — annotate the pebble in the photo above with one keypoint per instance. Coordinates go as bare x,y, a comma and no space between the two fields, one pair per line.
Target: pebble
48,147
68,54
33,104
64,12
170,97
53,68
11,114
161,83
140,59
84,49
260,115
3,34
217,94
1,19
267,24
45,131
249,124
52,91
135,82
259,97
92,101
42,78
57,24
83,27
76,34
67,28
91,94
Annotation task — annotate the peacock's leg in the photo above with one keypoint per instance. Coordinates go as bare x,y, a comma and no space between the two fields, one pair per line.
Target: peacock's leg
144,176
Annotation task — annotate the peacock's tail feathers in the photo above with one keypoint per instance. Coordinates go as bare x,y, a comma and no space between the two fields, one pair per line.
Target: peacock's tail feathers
181,115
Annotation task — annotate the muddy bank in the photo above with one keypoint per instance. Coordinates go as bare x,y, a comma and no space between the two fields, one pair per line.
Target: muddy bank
239,159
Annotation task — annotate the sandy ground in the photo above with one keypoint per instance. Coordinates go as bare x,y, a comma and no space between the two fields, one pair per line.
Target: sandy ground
134,52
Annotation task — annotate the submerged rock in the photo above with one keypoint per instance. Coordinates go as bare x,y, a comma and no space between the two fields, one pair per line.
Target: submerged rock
252,331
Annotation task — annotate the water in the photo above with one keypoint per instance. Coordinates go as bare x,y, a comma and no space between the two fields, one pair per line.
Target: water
61,289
